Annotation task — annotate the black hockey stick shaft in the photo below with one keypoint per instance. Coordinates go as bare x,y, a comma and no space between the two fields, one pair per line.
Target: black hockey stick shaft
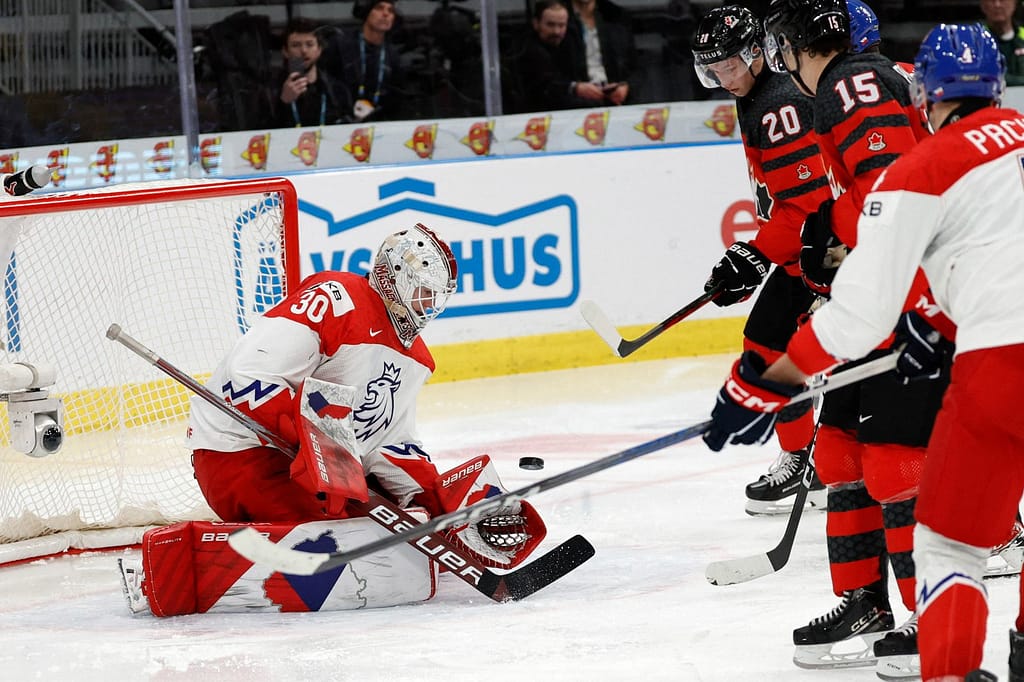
779,555
248,542
319,562
512,586
624,347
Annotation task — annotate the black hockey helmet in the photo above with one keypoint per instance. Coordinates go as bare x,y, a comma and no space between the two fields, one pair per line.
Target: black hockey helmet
725,32
793,25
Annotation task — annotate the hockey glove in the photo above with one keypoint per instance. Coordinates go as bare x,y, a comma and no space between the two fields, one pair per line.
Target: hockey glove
740,272
821,252
747,406
926,352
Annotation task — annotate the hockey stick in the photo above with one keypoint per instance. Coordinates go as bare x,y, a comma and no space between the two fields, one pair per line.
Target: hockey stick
745,569
600,323
257,548
511,586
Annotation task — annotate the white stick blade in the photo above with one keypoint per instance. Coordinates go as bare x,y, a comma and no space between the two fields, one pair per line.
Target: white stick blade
249,543
732,571
600,323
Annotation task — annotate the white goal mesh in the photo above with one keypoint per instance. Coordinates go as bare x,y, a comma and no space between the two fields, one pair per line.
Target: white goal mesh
183,267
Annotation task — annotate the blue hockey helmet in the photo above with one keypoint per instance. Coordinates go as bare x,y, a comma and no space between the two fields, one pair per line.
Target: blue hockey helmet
957,61
863,26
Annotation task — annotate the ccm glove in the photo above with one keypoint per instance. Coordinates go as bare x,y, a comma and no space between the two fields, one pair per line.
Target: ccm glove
747,406
822,251
926,352
740,272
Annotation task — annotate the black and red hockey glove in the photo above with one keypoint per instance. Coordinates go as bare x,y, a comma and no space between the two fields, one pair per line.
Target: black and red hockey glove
747,406
740,272
821,252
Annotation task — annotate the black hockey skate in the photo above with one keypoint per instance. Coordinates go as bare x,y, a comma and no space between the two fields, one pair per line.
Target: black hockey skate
844,637
897,653
773,492
1016,656
980,675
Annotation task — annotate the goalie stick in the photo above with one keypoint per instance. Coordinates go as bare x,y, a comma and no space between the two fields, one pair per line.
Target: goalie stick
600,323
745,569
511,586
257,548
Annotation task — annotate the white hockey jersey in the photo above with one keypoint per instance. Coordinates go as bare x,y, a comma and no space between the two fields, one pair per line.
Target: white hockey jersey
954,205
333,327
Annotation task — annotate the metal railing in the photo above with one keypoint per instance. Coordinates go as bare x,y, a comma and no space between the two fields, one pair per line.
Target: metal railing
54,45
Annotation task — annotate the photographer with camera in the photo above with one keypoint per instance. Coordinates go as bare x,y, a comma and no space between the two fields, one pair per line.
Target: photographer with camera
308,96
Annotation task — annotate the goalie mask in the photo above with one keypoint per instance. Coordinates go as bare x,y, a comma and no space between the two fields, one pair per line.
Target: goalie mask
414,272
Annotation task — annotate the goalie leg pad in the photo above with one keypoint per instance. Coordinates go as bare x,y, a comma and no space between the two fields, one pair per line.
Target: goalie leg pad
505,538
190,568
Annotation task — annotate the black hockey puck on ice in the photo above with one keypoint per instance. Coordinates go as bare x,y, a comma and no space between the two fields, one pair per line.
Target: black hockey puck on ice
531,463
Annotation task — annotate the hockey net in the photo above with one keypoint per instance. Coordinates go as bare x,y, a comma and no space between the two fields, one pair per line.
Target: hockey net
184,267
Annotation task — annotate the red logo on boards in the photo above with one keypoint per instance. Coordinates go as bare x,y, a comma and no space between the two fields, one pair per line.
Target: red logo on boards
535,133
106,162
258,150
594,128
479,137
307,147
654,123
360,144
422,141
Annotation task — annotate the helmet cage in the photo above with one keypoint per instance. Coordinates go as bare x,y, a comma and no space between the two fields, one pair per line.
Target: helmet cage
415,273
956,62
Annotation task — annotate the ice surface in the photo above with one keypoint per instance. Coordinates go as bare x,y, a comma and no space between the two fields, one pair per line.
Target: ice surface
639,610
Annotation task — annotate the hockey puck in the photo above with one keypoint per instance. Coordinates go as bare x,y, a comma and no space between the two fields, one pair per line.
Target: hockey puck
531,463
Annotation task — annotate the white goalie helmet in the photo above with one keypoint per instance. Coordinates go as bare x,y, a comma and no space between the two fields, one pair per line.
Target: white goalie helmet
414,272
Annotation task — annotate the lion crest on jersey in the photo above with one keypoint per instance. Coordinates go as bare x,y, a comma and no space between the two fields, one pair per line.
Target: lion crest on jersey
377,410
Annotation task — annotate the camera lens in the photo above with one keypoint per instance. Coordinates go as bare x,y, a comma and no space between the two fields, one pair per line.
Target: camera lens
51,438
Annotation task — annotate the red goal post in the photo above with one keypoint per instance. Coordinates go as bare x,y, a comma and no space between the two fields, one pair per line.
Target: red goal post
184,266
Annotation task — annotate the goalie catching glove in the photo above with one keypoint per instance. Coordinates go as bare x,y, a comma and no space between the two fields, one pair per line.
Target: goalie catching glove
740,272
748,406
503,538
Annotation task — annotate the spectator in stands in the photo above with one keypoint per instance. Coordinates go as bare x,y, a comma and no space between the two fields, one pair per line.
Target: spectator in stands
600,38
549,78
1009,35
367,62
308,96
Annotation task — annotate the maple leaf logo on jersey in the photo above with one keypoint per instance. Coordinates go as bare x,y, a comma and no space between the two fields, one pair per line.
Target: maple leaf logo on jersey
803,172
378,406
765,203
876,142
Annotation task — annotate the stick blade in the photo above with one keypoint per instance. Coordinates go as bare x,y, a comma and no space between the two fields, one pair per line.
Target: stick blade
545,570
733,571
600,323
259,549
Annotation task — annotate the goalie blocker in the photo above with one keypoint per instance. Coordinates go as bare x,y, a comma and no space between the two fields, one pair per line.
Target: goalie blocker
189,567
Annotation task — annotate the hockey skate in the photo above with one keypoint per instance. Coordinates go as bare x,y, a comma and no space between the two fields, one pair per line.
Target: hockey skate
1007,559
1016,656
980,675
773,492
844,637
897,653
131,585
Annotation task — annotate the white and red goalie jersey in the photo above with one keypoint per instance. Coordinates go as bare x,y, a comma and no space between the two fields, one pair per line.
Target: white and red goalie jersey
333,327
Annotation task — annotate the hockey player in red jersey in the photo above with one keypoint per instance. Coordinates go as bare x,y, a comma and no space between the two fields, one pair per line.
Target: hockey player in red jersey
934,207
870,444
352,331
788,182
